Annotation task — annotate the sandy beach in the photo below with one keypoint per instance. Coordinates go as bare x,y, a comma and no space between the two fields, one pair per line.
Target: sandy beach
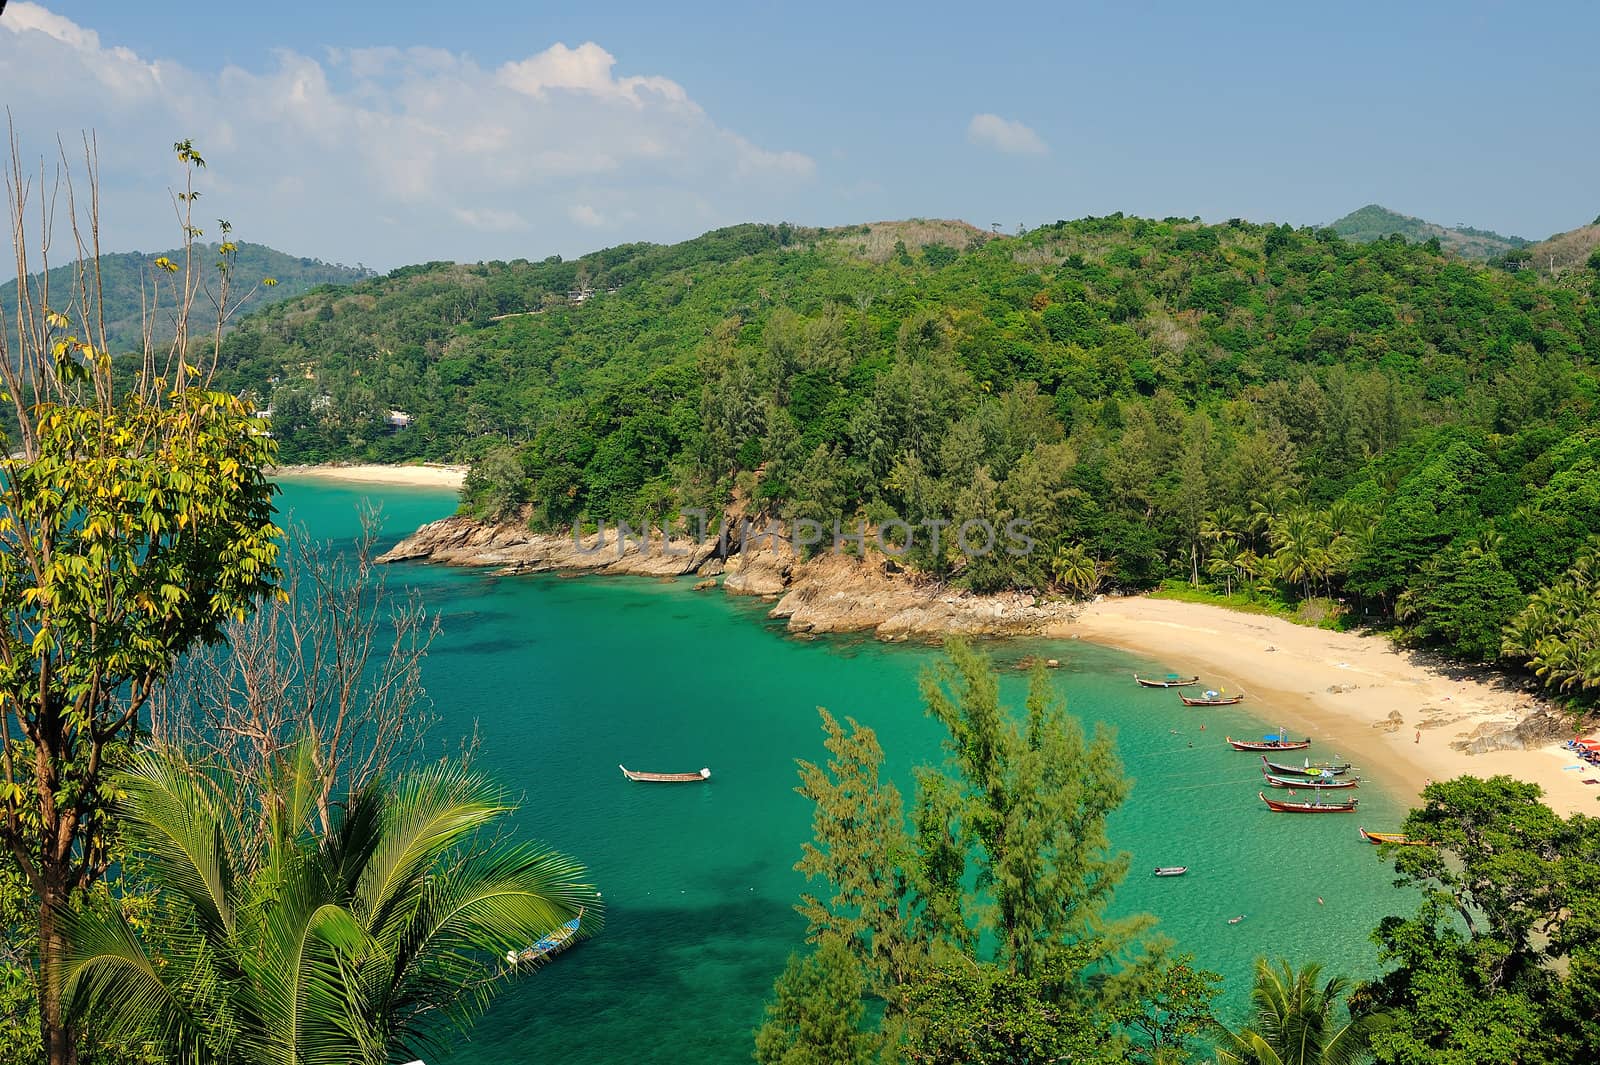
1340,689
421,476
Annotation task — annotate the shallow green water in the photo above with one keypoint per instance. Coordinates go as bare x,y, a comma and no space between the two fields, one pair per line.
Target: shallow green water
568,677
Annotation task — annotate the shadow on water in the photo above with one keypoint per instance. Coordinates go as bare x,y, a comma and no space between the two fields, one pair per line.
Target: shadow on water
644,1005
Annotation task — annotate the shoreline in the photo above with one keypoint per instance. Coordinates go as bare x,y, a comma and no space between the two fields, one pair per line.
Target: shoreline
1341,689
425,475
1404,717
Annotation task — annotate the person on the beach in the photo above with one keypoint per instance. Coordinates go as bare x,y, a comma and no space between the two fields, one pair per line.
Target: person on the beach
1419,737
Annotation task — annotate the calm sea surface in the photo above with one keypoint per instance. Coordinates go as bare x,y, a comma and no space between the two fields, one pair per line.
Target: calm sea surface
566,678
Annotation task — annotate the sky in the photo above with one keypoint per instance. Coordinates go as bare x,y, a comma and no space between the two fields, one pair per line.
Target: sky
392,133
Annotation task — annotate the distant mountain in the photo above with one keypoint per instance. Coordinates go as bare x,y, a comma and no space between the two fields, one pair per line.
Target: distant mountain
123,273
1564,251
1373,222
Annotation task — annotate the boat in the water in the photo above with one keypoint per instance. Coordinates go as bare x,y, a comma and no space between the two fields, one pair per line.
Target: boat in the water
1396,839
1310,769
666,778
1317,783
1277,806
1212,699
1171,680
1268,743
558,940
1171,870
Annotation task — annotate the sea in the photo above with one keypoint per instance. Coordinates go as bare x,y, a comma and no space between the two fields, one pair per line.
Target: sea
566,678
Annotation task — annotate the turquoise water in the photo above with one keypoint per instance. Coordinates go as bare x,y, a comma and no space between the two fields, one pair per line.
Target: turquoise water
566,678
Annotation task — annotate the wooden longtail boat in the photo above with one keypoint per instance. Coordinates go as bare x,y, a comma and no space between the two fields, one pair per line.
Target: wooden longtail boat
1229,701
1172,680
1310,769
666,778
1171,870
556,941
1397,839
1268,745
1310,782
1278,806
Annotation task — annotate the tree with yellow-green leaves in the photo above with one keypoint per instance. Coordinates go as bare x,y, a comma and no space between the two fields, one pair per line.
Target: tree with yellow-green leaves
135,522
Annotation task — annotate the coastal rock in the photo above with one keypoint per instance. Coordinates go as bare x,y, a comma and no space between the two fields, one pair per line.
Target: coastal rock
825,594
1537,729
462,541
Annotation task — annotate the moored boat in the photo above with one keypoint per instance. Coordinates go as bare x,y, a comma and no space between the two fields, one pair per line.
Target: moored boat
556,941
665,778
1278,806
1171,870
1396,839
1317,783
1212,699
1272,743
1171,680
1310,769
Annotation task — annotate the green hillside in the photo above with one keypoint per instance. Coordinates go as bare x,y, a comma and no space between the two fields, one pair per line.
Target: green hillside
1245,406
122,274
1373,222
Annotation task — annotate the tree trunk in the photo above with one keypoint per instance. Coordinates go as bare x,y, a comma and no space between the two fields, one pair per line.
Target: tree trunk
60,1040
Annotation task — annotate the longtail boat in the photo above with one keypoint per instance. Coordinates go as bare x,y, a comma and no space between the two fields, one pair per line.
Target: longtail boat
1268,745
1310,769
666,778
553,943
1171,870
1212,700
1397,839
1172,680
1320,783
1278,806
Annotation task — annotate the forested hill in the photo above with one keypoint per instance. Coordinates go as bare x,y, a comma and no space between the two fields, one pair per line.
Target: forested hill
1373,222
123,273
1240,405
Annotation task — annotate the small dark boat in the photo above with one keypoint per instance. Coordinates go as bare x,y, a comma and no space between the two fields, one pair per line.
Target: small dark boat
1310,769
1172,680
666,778
1318,783
1279,807
1396,839
1171,870
1212,699
1273,744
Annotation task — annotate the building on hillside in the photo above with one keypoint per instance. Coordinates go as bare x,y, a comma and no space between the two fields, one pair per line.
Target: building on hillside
398,419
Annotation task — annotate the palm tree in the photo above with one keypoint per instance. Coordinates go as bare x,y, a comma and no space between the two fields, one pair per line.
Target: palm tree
1225,562
275,944
1296,1022
1075,569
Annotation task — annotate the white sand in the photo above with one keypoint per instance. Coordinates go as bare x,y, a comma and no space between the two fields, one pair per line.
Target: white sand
1289,673
422,476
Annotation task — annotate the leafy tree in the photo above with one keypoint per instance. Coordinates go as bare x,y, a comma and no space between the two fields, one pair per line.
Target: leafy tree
983,927
815,1016
281,943
135,522
1464,600
1497,964
1295,1021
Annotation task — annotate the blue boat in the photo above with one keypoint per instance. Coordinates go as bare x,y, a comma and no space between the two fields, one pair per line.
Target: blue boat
552,944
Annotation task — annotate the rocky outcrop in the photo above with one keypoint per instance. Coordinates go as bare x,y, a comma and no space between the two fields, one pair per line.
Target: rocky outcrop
467,542
1538,729
827,593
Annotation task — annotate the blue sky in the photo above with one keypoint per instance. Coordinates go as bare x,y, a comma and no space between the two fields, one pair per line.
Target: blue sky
484,129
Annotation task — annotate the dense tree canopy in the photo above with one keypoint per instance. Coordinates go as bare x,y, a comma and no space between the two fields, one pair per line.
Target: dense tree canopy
1251,406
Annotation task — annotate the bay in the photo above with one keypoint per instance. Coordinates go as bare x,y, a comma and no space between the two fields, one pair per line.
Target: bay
566,678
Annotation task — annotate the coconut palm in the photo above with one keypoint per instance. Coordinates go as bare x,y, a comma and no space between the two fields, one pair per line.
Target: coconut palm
275,944
1296,1022
1225,562
1076,570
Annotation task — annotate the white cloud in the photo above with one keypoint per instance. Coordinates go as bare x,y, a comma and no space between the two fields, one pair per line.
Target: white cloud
1005,135
391,155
